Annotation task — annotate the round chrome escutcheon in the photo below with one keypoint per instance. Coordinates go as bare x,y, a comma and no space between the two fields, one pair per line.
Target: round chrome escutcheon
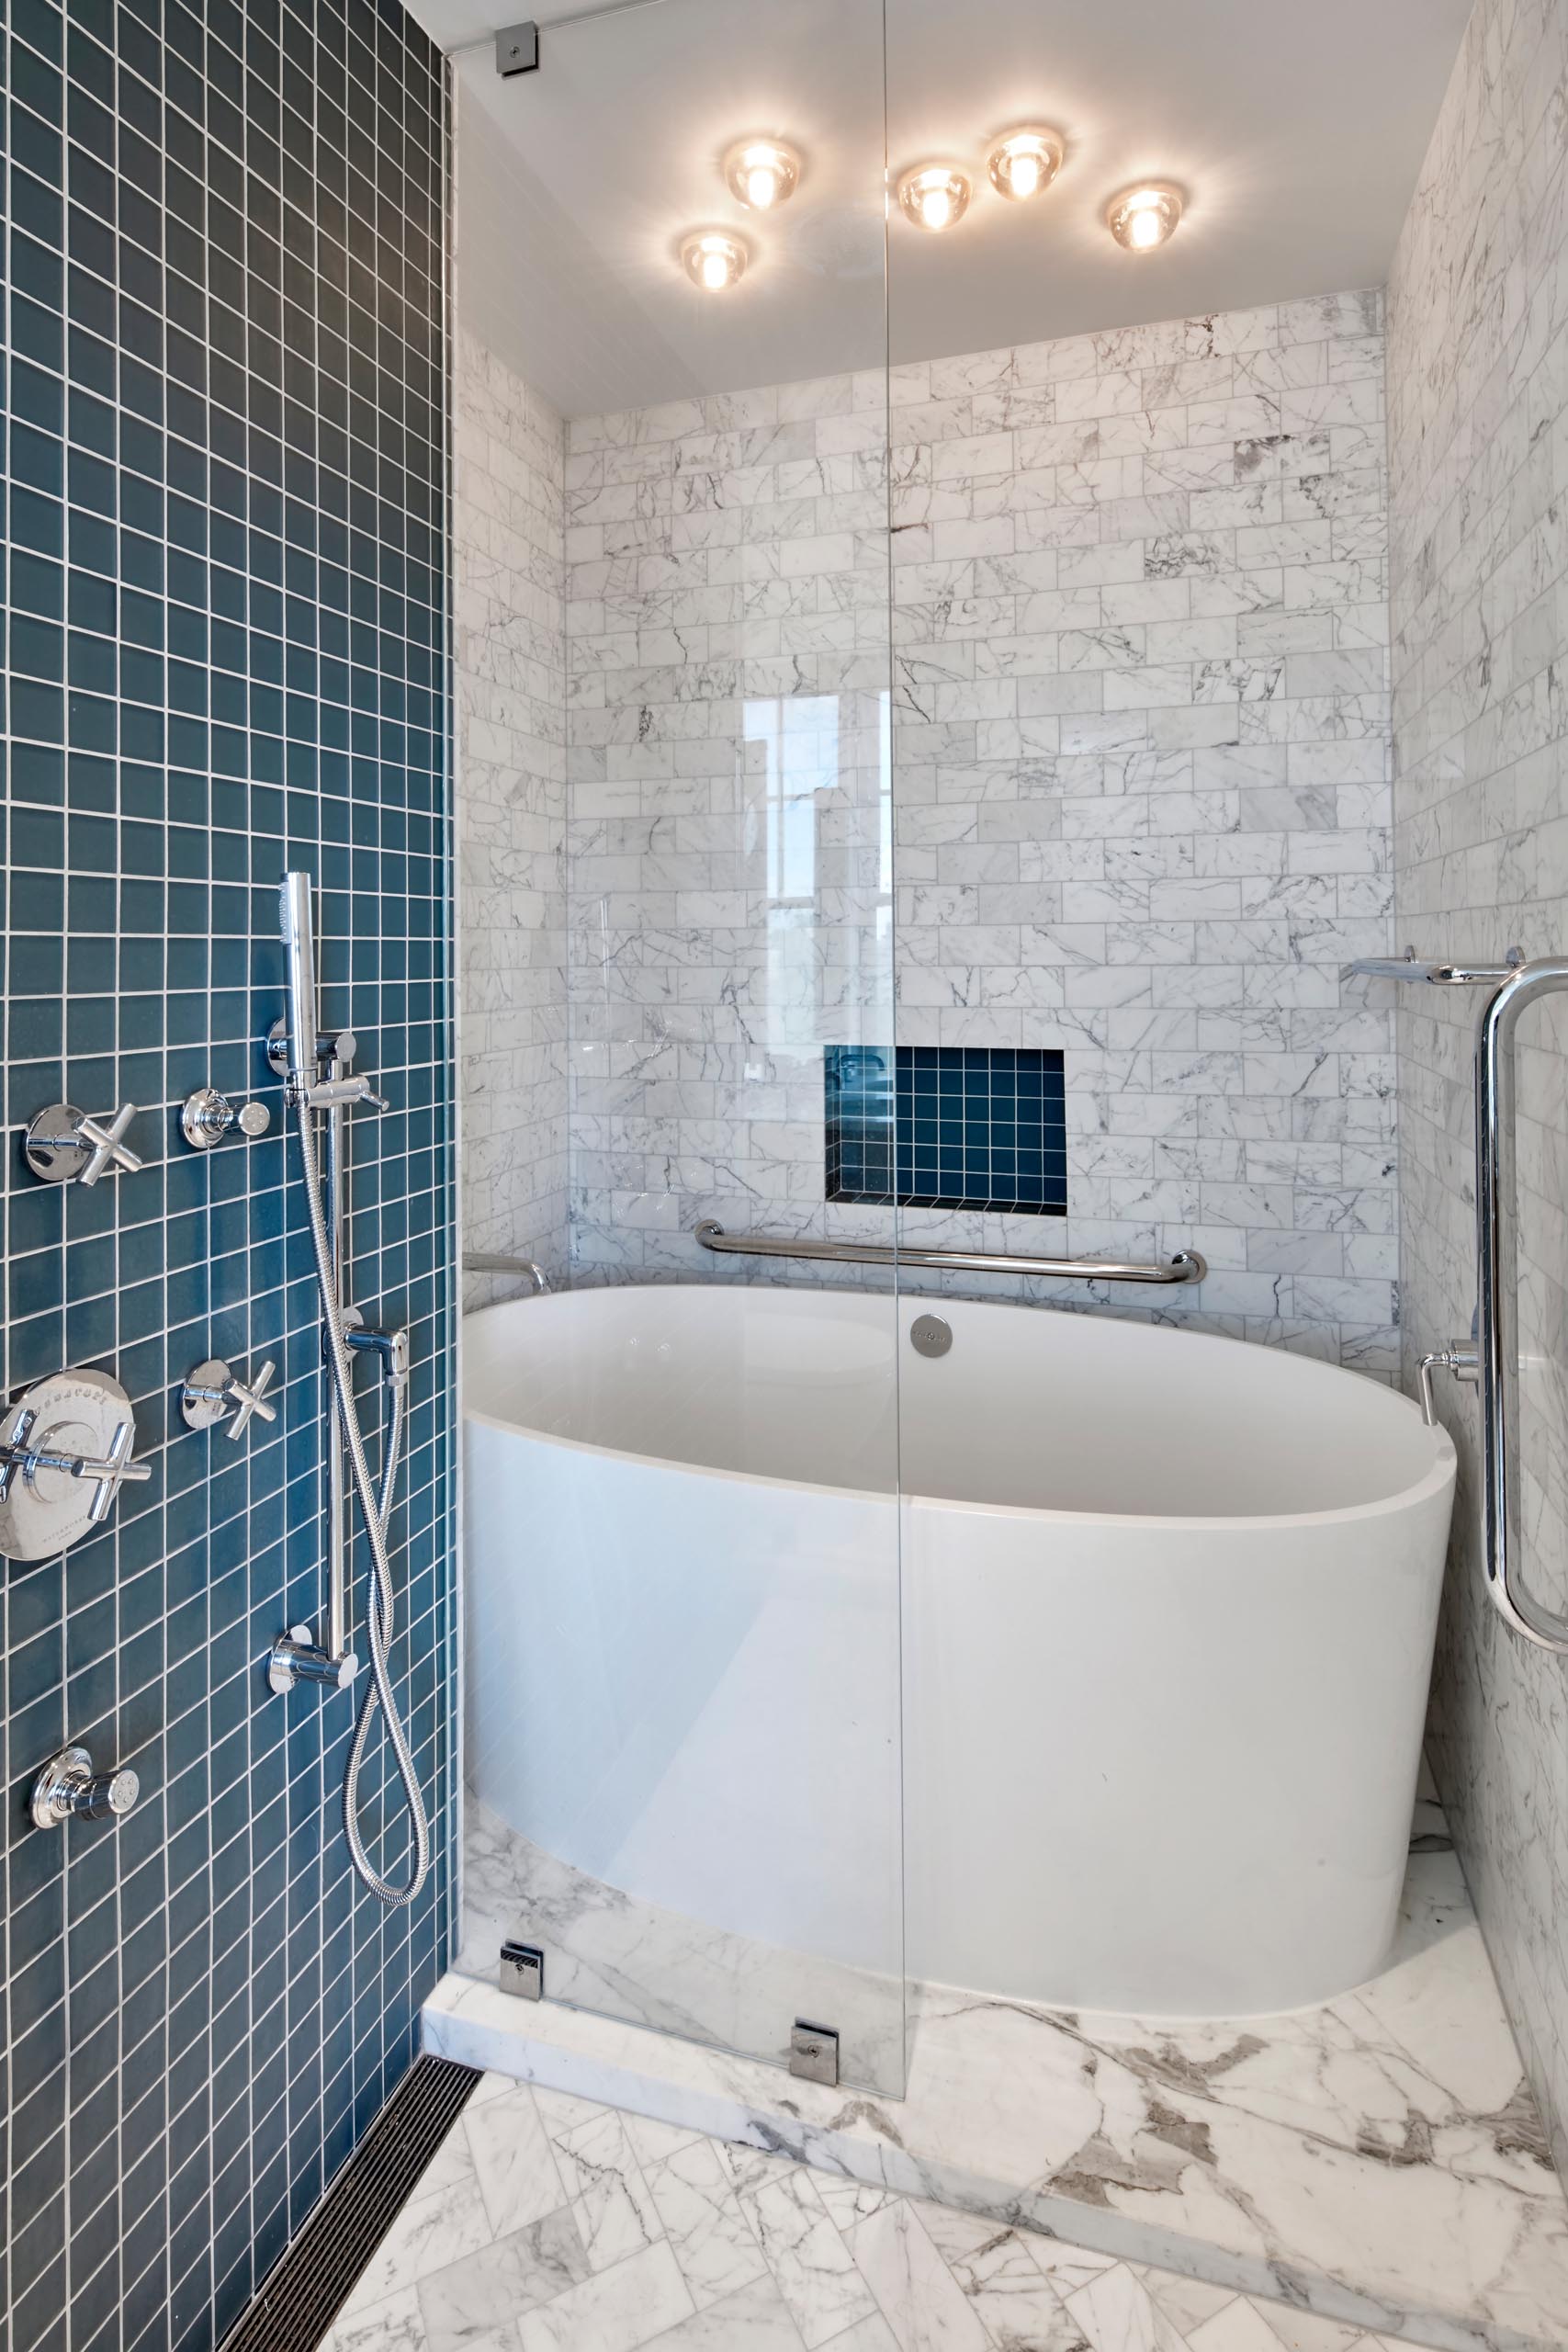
930,1336
73,1413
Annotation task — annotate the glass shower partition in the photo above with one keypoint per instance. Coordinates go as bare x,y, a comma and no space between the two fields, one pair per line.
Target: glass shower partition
705,1836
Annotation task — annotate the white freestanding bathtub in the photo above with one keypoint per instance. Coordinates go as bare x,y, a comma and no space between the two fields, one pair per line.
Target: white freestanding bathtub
1155,1611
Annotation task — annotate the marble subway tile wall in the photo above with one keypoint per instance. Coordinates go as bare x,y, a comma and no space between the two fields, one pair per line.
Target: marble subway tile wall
1478,389
509,673
1133,745
730,852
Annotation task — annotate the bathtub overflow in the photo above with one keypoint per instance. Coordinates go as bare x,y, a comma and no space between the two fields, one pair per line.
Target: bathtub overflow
930,1336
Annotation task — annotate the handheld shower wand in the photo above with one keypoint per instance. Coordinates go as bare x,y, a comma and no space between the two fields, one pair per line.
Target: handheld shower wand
317,1076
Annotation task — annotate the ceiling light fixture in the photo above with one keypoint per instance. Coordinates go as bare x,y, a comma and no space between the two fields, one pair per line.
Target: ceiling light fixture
1142,218
1024,162
762,173
714,260
934,196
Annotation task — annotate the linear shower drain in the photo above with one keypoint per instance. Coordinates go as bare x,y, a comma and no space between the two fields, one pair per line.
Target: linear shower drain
318,2274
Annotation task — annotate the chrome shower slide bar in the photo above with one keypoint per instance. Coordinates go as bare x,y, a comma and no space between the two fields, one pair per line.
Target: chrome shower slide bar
1187,1266
1496,1230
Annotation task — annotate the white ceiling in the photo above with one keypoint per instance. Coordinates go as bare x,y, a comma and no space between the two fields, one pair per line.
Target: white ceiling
1296,129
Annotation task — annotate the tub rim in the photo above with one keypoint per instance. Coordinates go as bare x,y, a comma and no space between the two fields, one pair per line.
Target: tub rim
1442,1473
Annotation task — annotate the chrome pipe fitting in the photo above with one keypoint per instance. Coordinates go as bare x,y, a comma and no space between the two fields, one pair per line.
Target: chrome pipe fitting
1461,1358
493,1262
297,1657
391,1347
68,1787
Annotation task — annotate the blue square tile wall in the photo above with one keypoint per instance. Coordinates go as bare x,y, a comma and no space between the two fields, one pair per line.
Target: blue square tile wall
225,587
946,1127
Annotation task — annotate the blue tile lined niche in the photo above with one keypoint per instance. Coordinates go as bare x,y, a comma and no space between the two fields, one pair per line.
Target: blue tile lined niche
947,1127
225,597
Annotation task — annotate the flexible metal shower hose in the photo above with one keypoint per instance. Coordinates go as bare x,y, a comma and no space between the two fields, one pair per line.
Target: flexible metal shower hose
375,1510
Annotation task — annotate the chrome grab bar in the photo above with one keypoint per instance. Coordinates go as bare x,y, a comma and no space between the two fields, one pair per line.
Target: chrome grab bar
493,1262
1496,1228
1187,1266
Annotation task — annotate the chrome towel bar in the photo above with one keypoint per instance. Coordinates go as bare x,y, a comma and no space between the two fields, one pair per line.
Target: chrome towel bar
1187,1266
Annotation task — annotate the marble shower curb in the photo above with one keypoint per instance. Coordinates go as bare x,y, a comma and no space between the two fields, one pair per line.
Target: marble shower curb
1485,2264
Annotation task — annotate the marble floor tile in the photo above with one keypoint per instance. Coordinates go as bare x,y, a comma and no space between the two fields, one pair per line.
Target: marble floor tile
754,2319
430,2234
615,2311
872,2334
601,2178
804,2251
1117,2314
1006,2288
710,2236
1375,2163
470,2306
1240,2327
511,2160
394,2324
548,2222
918,2295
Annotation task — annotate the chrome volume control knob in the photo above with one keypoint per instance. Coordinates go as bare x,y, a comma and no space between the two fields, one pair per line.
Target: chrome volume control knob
207,1116
68,1785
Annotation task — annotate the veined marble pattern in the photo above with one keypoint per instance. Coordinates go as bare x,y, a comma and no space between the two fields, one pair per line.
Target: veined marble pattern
1137,761
1378,2162
550,2223
609,1951
1478,390
508,670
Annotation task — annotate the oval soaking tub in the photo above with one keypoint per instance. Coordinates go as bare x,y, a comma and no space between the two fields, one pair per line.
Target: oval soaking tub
1161,1607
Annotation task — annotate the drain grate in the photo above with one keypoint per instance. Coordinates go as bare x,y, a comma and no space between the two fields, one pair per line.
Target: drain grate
316,2277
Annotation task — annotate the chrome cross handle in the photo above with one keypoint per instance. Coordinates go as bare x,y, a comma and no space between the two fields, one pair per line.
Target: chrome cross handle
107,1150
63,1143
109,1470
251,1400
214,1393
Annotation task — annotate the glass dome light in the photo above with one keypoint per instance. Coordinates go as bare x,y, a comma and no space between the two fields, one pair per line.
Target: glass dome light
1142,218
714,260
933,196
762,173
1024,162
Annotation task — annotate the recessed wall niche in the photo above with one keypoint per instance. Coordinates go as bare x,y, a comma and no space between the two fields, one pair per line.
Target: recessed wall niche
946,1127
